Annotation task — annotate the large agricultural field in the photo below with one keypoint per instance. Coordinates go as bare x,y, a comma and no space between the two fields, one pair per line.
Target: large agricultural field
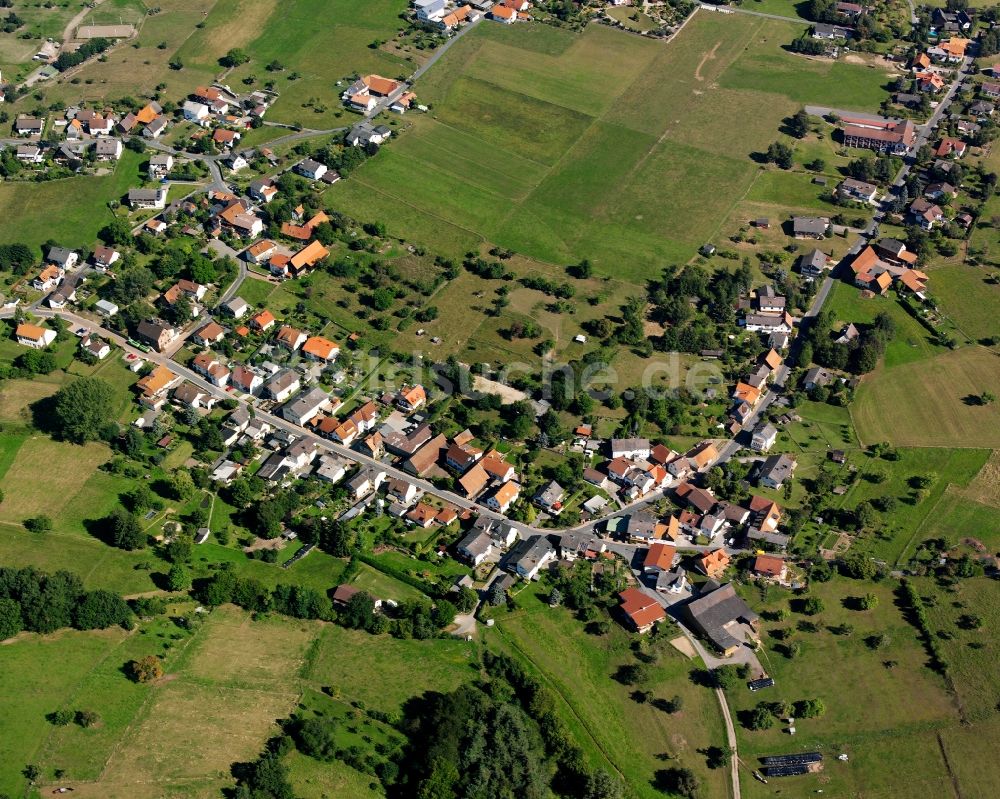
599,145
932,402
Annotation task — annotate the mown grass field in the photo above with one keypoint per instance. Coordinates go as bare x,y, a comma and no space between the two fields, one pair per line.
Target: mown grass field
616,732
932,403
565,146
70,211
969,296
912,342
947,469
167,739
876,715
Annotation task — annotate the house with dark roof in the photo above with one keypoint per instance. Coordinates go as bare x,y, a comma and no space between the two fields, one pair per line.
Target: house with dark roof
475,547
813,263
723,617
774,470
530,556
810,227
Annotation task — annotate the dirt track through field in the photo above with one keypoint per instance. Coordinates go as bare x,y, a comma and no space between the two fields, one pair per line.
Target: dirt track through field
704,60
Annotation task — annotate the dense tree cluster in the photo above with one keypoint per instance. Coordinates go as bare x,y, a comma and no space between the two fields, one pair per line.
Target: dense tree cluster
84,410
696,307
67,60
859,356
495,739
39,602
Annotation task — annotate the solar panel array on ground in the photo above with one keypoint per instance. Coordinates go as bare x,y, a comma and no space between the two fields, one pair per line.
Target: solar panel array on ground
787,771
791,760
756,685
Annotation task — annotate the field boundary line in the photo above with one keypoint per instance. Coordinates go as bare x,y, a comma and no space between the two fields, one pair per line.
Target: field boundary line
431,144
470,136
401,201
562,696
493,193
947,764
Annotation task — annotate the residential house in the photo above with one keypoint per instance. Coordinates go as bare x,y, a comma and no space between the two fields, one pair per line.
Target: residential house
199,113
320,349
640,610
503,497
306,406
722,617
331,469
713,563
263,190
29,154
857,190
429,10
364,133
410,398
193,396
550,498
245,379
810,227
62,257
475,547
33,336
950,147
290,338
155,385
147,199
929,82
701,499
372,446
769,323
827,32
262,321
764,437
461,457
925,213
816,378
104,258
630,448
766,513
308,168
503,14
770,567
848,334
28,126
238,218
156,333
50,277
775,469
703,455
530,556
659,557
282,385
261,251
155,129
236,307
95,347
940,191
950,21
209,366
